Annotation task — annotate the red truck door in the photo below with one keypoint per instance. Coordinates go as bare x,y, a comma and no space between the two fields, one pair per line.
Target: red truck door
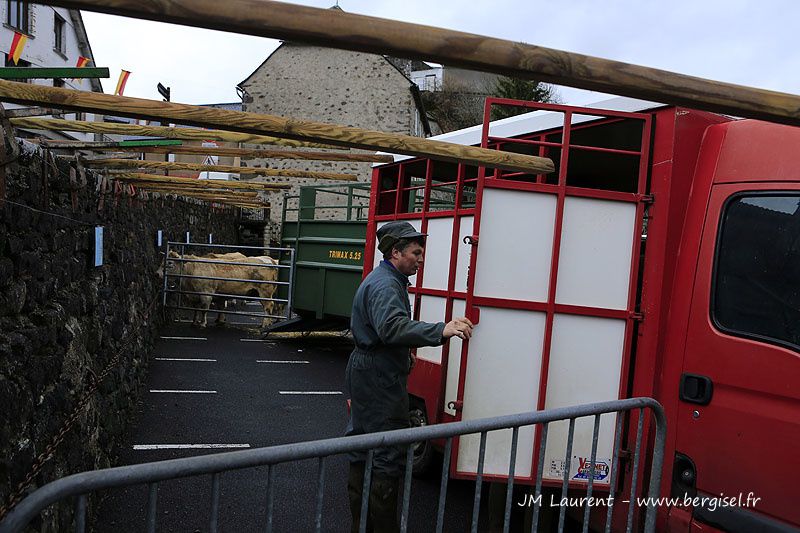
738,414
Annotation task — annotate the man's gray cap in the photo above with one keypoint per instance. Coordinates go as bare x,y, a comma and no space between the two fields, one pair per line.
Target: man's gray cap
391,232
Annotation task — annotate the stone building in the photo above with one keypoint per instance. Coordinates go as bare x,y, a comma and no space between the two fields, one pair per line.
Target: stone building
336,87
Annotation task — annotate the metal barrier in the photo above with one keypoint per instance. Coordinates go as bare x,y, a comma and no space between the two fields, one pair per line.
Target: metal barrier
179,276
82,484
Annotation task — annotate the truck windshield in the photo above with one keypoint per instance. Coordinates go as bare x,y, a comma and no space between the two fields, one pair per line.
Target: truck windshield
757,276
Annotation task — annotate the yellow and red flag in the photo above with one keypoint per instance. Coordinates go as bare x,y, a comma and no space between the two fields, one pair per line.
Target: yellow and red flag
123,79
17,44
82,62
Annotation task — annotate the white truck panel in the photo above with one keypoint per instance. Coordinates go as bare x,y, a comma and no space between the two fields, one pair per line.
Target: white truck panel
585,367
516,245
594,265
502,378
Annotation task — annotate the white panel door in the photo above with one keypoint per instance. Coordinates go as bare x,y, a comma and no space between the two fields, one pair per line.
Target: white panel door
453,361
594,265
431,309
516,245
465,228
502,378
437,253
585,367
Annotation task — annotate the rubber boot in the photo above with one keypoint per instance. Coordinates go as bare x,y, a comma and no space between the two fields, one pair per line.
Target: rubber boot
383,504
355,490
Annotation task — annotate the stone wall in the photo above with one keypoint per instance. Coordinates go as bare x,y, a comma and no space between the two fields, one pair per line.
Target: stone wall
330,86
74,338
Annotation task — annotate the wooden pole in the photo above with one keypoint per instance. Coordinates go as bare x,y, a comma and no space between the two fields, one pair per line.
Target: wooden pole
208,184
268,124
32,112
163,165
245,153
334,28
191,134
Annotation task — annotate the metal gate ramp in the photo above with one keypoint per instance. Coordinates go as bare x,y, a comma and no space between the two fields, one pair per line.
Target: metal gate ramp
277,462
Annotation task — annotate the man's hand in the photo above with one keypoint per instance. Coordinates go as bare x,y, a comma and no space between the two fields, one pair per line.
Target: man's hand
458,327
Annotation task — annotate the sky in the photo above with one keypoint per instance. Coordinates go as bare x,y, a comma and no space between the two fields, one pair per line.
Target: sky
747,42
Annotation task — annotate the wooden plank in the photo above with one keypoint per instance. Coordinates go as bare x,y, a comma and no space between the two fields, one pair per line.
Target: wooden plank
190,134
334,28
268,124
201,183
245,153
163,165
97,145
48,73
32,112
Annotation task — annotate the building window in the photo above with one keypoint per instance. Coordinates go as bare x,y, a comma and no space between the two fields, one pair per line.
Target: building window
58,82
17,15
59,24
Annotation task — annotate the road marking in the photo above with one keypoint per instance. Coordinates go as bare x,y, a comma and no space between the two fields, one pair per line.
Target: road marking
185,338
185,391
179,359
285,362
256,340
186,446
309,392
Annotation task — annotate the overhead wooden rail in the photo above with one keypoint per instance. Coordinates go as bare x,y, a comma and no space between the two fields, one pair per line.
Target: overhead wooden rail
163,165
205,184
189,134
257,124
25,73
336,29
245,153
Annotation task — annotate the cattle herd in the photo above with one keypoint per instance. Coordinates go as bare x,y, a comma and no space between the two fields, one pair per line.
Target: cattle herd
215,278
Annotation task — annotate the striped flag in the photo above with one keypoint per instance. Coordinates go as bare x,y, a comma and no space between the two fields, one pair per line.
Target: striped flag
17,44
123,79
82,62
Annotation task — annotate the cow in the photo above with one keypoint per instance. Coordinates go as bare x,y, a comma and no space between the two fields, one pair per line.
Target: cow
248,268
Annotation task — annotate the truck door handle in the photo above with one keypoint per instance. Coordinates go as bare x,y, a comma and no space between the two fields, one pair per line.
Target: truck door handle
696,389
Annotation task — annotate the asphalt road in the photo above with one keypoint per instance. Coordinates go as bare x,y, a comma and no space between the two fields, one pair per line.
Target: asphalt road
242,404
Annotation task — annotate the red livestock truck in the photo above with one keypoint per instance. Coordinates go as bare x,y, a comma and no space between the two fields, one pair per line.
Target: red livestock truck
660,259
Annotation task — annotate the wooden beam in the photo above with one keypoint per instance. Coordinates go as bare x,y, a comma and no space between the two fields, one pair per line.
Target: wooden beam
96,146
268,124
48,73
191,134
251,184
245,153
337,29
196,167
32,112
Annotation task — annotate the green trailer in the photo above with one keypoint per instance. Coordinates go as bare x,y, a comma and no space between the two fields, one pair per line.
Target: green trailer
327,226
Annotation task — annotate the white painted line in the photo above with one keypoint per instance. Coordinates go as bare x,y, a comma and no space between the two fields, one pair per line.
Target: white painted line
185,338
256,340
284,362
308,392
185,391
179,359
186,446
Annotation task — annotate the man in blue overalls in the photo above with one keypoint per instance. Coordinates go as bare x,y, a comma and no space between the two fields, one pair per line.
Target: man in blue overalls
377,373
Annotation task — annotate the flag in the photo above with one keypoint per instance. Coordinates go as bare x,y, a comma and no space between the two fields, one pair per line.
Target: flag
123,79
17,44
82,62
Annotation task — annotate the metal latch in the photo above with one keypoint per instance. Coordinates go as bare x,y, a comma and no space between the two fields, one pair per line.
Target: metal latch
471,239
456,405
